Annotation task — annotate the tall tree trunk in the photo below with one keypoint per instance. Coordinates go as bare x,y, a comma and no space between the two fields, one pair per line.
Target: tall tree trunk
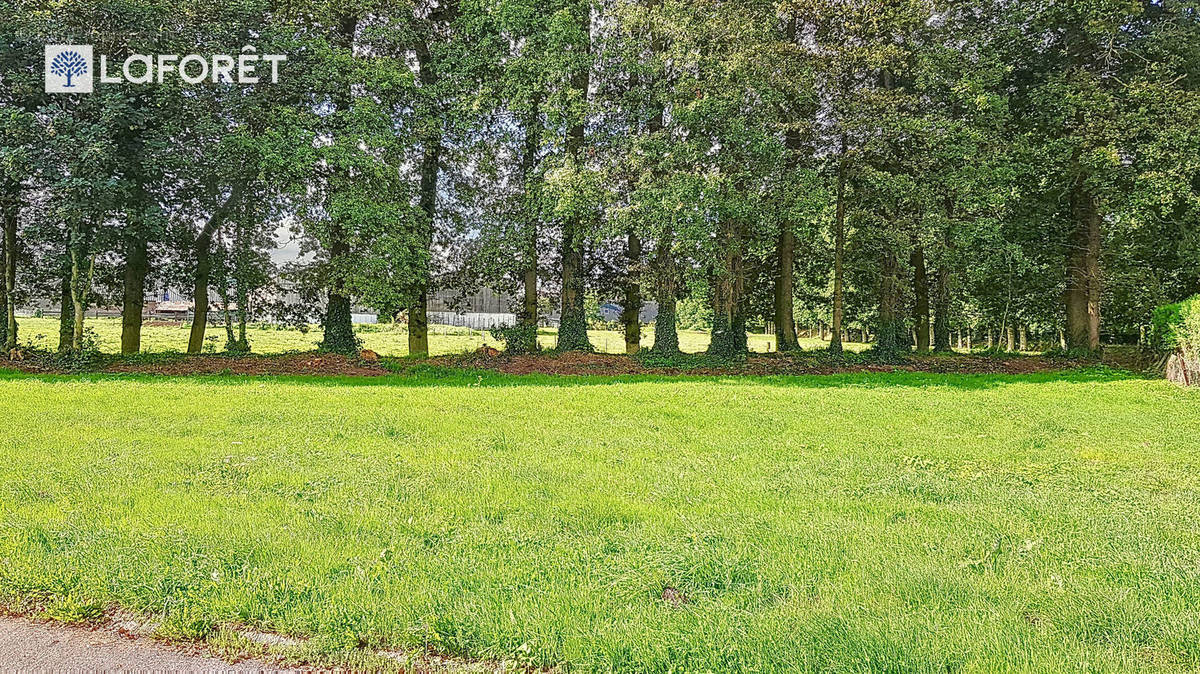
134,292
1083,272
243,316
1024,336
890,330
921,291
572,329
785,307
203,251
3,300
666,333
527,337
1011,338
11,207
418,311
529,315
839,254
338,325
632,305
242,345
941,309
785,256
66,313
729,282
200,293
81,285
230,338
942,300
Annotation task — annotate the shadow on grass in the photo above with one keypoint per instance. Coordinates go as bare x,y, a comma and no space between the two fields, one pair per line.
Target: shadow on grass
421,376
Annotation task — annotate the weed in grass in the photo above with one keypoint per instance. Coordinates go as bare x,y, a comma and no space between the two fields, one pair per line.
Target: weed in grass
73,609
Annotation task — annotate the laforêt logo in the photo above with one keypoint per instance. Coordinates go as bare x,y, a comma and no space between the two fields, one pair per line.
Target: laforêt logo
69,68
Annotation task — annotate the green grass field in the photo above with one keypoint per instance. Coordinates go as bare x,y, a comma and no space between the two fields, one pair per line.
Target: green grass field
845,523
386,340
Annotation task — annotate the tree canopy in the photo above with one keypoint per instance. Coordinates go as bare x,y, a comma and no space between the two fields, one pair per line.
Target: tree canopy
906,171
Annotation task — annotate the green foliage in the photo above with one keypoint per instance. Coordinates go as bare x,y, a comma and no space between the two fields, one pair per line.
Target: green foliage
1176,326
694,313
518,339
86,358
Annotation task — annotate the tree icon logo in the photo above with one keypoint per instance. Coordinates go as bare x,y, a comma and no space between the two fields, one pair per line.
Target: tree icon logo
68,64
68,69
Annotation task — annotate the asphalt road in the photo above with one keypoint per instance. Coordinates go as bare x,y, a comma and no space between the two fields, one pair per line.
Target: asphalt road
34,647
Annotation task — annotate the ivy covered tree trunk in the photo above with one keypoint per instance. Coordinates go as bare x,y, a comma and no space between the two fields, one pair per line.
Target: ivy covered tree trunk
890,329
1083,272
941,310
137,265
525,341
729,283
785,314
632,304
839,256
921,292
66,314
666,333
3,299
572,329
11,209
338,324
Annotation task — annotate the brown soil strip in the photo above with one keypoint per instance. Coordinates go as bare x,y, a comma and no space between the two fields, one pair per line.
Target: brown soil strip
313,363
754,365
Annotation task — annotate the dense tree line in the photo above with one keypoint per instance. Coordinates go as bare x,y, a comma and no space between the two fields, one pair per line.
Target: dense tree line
906,171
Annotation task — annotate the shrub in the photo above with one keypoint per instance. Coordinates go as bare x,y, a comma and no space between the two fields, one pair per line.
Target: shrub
517,339
1176,334
86,358
1176,327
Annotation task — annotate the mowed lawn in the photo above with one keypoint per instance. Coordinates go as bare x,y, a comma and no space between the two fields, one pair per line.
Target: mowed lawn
386,340
844,523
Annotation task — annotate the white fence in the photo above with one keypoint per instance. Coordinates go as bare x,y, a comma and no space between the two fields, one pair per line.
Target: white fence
475,321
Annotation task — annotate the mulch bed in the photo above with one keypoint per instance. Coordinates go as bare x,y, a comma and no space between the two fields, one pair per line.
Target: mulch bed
286,364
289,364
812,363
754,365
